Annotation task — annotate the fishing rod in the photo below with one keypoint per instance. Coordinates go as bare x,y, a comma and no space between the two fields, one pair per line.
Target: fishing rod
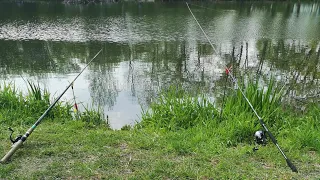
228,70
21,140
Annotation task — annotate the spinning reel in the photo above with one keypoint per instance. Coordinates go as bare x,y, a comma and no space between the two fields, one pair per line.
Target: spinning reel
260,138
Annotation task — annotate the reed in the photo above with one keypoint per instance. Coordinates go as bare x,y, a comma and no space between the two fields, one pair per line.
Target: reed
266,99
176,109
93,118
19,109
9,97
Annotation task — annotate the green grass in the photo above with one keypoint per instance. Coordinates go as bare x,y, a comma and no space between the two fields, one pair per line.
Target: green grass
70,150
92,117
182,137
176,109
17,109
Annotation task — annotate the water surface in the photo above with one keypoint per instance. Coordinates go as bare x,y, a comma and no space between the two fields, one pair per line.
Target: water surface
148,46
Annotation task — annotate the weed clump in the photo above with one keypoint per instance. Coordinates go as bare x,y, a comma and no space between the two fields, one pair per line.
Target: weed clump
92,118
176,109
19,109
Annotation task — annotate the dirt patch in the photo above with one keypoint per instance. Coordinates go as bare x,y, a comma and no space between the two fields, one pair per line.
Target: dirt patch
32,165
215,162
123,146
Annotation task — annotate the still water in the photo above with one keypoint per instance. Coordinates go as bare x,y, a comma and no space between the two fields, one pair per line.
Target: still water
148,46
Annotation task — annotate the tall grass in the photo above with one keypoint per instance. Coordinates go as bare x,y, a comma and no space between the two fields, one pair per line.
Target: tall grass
9,96
306,129
36,93
266,100
176,109
19,109
93,118
241,121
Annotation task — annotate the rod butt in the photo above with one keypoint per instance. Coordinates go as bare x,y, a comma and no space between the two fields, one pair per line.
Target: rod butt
293,168
14,148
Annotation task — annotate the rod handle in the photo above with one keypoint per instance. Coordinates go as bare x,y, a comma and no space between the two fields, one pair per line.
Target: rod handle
293,168
14,148
273,139
269,133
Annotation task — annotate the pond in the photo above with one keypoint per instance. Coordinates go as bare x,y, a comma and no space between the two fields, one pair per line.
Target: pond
148,46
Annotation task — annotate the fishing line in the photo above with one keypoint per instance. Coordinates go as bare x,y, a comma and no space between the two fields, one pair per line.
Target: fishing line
293,168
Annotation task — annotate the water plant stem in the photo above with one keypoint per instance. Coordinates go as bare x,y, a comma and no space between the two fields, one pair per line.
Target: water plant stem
18,144
224,95
76,110
293,168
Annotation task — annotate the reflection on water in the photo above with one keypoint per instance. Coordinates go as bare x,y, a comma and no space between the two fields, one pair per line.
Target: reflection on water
157,22
149,46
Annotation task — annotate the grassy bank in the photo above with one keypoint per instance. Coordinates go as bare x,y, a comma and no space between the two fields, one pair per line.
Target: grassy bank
183,138
72,151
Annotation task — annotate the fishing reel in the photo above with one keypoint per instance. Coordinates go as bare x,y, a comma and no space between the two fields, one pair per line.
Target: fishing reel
260,138
16,139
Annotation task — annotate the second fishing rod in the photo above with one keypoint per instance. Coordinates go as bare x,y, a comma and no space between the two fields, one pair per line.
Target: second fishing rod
228,70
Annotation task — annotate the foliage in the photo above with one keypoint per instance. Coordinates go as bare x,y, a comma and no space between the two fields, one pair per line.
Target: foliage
175,109
17,109
306,129
198,150
126,127
266,100
93,118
